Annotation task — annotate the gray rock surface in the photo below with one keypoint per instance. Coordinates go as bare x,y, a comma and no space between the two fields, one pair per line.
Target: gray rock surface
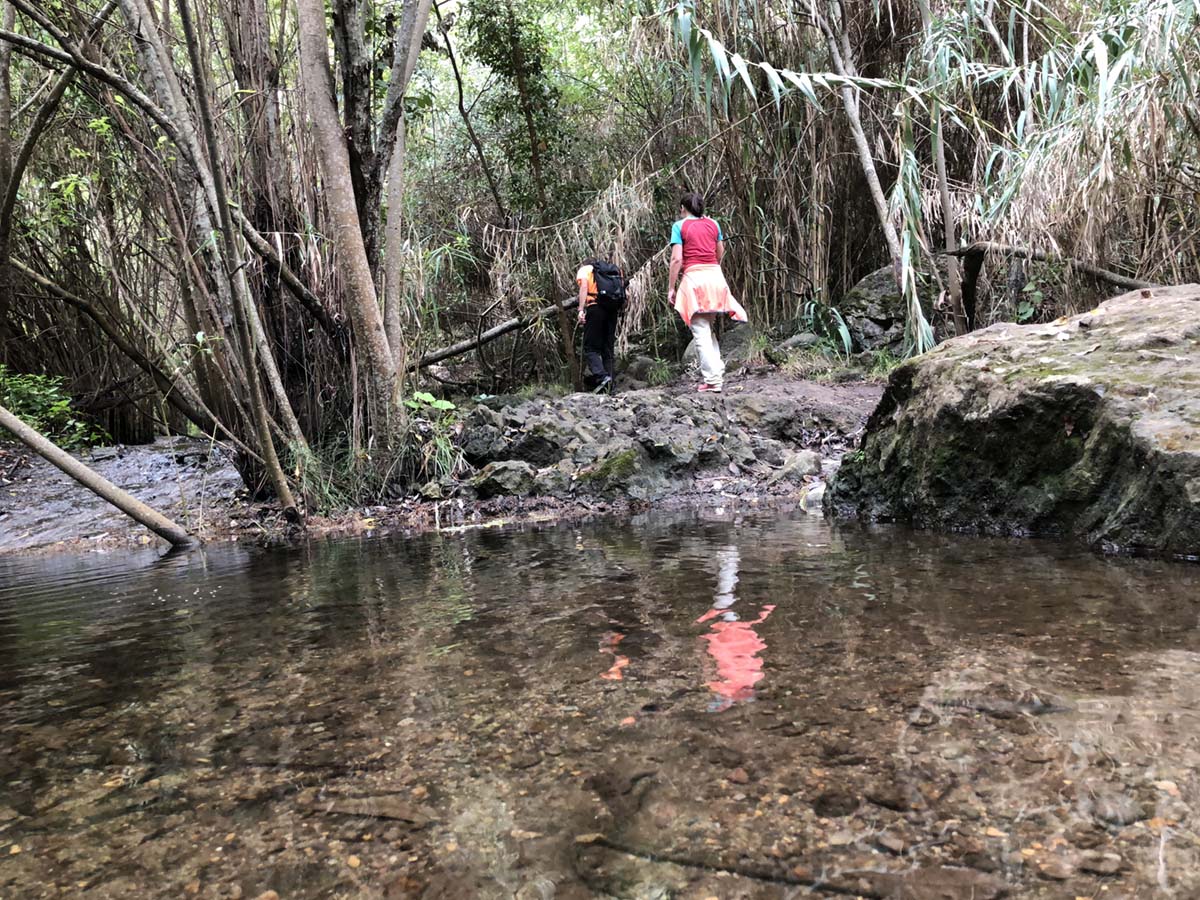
1089,426
509,477
875,312
737,346
647,444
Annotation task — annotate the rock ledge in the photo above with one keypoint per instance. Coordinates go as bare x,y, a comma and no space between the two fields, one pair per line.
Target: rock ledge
1088,427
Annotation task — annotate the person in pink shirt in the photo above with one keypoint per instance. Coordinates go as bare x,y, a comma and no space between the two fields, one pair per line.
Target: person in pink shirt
697,248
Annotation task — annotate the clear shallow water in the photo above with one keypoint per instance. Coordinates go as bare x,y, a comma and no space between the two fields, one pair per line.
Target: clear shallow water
681,705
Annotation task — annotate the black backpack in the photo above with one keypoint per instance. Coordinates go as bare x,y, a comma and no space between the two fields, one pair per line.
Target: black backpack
610,284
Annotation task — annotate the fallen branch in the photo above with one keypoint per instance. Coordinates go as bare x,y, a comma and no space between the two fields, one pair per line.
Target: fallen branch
260,245
95,482
490,335
980,248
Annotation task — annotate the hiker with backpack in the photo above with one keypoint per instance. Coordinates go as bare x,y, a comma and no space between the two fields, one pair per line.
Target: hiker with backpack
601,298
697,248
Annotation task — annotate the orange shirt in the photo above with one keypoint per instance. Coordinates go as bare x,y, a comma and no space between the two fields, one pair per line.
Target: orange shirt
585,276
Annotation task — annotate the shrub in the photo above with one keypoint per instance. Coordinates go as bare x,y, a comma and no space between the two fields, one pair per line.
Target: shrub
42,402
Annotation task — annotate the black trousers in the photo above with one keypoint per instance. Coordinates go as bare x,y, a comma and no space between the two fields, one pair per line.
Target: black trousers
599,340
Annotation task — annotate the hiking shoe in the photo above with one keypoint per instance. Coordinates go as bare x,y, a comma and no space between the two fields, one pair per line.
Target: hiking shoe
604,386
709,389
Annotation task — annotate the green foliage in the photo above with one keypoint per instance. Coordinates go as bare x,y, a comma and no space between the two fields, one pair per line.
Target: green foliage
507,37
426,403
42,402
430,452
1031,302
882,364
660,372
827,323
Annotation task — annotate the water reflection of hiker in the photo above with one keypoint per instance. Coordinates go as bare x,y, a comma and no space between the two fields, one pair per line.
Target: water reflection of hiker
601,298
733,644
697,248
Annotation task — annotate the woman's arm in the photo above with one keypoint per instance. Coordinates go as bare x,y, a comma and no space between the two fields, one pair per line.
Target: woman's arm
676,265
720,251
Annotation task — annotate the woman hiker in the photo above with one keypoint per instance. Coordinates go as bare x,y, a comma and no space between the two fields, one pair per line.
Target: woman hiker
697,249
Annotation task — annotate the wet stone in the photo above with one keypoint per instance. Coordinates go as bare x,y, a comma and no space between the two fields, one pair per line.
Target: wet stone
1055,869
1116,808
1101,863
835,803
891,842
437,666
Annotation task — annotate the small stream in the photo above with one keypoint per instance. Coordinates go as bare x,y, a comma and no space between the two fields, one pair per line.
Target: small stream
680,705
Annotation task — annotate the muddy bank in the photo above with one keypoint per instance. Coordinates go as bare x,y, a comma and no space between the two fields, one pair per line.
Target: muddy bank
189,480
764,442
1087,427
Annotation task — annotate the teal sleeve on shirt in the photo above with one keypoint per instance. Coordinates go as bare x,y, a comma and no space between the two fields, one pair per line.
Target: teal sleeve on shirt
677,232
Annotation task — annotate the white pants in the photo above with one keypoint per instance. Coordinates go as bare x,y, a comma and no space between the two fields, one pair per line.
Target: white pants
711,367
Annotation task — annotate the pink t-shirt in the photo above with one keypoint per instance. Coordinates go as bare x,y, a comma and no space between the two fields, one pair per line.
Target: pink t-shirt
699,238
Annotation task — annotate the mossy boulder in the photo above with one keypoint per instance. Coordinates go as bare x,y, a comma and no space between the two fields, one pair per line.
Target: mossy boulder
875,311
1088,427
506,478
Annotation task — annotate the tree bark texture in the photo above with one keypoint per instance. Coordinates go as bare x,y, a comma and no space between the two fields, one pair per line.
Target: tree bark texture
242,299
407,46
361,299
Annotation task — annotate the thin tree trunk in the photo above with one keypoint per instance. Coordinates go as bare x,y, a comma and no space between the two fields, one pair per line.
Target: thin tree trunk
535,155
496,331
242,299
355,62
413,19
844,66
361,299
96,483
8,19
939,154
493,186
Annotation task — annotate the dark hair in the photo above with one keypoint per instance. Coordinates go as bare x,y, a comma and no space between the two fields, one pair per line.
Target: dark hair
693,203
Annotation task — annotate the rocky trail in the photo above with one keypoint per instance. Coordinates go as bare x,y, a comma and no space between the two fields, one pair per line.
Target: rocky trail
766,439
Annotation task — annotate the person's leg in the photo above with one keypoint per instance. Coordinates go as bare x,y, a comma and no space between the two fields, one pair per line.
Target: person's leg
593,343
610,342
712,369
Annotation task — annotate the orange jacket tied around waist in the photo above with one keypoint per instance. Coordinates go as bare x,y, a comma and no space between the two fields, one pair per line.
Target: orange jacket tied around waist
703,289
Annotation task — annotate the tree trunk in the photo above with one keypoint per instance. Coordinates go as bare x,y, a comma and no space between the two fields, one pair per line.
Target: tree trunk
939,155
8,19
361,299
413,19
96,483
492,333
845,67
493,186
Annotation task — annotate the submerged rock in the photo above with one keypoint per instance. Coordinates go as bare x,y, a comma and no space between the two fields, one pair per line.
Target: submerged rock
1087,427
